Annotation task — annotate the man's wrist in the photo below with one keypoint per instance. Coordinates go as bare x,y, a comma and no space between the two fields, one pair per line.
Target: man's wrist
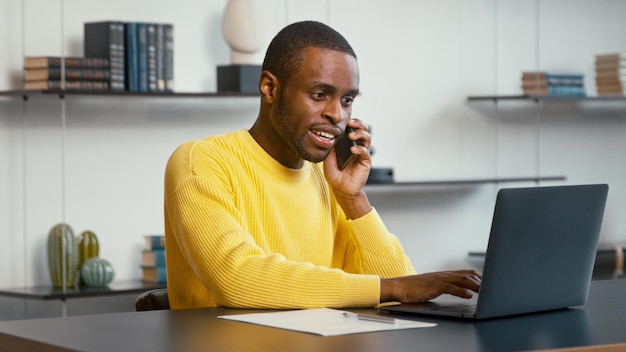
387,290
357,207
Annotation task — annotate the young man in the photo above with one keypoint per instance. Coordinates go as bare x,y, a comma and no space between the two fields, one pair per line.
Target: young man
264,218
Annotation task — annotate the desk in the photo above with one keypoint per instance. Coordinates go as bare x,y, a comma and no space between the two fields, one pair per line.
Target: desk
601,321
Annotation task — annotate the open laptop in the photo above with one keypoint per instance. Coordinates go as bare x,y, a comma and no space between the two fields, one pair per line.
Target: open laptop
540,255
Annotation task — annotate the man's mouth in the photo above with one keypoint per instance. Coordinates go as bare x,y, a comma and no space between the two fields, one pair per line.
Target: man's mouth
325,135
323,139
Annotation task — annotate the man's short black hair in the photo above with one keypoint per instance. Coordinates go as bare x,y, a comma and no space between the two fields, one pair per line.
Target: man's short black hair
284,54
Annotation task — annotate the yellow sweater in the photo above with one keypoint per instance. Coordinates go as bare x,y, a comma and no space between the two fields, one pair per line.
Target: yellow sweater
244,231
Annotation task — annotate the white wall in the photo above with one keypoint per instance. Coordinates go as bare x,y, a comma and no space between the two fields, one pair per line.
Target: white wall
102,167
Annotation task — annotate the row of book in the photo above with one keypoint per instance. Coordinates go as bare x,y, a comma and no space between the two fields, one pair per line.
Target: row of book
153,268
46,72
610,74
610,78
140,54
118,56
553,84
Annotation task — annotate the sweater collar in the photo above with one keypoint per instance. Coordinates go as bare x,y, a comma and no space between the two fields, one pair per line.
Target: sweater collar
271,165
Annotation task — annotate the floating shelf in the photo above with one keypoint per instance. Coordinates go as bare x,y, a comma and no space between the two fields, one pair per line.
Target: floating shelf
61,93
460,182
57,293
537,98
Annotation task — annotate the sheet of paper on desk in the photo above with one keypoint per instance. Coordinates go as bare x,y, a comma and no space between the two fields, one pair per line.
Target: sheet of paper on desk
323,321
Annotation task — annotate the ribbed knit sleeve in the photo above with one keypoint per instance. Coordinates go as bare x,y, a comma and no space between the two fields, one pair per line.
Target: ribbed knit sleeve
373,250
244,231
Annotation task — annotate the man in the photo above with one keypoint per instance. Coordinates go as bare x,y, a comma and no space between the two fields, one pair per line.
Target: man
264,218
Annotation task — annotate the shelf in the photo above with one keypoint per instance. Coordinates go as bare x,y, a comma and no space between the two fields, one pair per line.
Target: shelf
61,93
52,293
538,98
466,182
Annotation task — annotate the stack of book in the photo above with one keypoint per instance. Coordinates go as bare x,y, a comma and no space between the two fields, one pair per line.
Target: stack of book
50,72
153,260
553,84
141,53
610,74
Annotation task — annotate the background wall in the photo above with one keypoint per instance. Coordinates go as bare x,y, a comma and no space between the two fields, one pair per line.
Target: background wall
101,168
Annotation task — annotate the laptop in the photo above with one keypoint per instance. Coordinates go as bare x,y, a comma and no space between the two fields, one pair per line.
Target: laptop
540,255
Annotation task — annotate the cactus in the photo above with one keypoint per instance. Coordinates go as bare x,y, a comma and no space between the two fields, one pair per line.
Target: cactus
62,256
88,247
97,272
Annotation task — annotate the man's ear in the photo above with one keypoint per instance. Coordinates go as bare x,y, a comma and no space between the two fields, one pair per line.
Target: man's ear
268,86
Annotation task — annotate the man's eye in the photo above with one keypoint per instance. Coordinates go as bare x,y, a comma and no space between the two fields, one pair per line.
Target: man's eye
348,100
318,95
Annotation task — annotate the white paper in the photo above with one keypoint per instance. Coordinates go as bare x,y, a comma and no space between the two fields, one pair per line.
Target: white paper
323,321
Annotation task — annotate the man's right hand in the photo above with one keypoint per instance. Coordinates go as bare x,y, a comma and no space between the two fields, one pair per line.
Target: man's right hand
424,287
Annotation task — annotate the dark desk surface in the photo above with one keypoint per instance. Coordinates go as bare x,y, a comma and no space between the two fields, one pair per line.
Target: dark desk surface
601,321
50,293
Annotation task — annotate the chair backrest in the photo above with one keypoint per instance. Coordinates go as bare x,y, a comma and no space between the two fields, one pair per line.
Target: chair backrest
155,299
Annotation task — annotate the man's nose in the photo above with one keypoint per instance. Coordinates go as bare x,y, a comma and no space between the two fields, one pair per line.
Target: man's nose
335,112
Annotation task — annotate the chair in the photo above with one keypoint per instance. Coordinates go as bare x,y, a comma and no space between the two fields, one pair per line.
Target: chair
155,299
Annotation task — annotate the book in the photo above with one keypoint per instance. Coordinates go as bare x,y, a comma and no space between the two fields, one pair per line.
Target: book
604,70
611,90
32,62
153,258
609,81
71,74
168,56
613,58
157,275
69,85
160,70
152,60
107,40
131,57
142,49
608,63
154,242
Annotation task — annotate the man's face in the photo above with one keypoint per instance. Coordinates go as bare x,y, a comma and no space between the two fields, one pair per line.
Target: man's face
314,106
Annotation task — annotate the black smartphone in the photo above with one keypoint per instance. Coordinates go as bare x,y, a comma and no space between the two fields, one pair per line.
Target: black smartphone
342,149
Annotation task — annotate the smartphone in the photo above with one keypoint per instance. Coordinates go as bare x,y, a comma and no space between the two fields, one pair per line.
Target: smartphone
342,149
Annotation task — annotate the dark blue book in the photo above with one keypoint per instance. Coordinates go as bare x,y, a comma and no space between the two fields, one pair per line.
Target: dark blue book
142,47
566,90
132,57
